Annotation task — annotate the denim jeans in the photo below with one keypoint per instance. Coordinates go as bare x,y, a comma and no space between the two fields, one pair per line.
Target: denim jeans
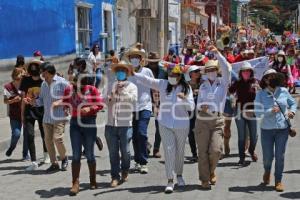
83,135
243,125
157,139
98,77
139,137
16,127
118,140
274,138
29,135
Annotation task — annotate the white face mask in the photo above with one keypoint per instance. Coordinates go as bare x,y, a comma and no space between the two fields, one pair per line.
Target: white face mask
135,62
41,76
172,80
280,59
212,75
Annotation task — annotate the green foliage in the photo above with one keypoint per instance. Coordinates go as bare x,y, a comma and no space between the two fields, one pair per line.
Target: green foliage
275,14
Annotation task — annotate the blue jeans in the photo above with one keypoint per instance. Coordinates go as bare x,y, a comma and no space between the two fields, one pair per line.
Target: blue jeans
16,127
98,77
83,136
243,125
269,139
118,140
139,137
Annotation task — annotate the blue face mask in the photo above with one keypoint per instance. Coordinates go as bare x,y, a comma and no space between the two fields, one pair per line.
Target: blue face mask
121,75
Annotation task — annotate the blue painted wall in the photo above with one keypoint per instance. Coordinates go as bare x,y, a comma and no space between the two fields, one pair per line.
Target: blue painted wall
49,26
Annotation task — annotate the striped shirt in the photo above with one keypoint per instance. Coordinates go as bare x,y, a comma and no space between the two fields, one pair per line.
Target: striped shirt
49,94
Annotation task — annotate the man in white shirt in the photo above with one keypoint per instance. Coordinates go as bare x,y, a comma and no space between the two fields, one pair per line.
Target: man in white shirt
210,121
142,110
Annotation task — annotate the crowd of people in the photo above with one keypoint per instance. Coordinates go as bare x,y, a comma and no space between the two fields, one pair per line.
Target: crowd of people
194,96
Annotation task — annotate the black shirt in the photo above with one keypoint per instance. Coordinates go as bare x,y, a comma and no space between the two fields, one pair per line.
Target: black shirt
32,90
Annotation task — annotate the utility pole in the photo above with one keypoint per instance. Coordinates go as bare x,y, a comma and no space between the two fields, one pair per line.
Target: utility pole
218,13
164,26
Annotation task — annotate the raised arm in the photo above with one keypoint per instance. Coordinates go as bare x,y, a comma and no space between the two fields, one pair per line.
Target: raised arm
156,84
225,68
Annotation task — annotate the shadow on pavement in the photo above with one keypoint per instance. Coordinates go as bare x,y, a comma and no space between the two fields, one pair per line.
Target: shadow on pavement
103,172
64,191
291,195
252,189
292,172
152,189
234,164
7,161
146,189
13,168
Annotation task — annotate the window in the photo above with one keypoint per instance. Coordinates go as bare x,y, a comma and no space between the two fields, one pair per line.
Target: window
84,20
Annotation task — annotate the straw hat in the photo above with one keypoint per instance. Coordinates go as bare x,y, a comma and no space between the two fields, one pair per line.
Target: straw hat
122,65
212,64
35,61
135,51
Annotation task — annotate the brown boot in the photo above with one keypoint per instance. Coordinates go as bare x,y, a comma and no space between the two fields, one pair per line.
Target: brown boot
124,176
92,169
226,146
205,185
75,179
267,178
279,187
213,179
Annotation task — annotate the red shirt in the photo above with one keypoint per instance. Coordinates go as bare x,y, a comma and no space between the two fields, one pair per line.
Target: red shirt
89,97
230,58
14,108
177,60
239,58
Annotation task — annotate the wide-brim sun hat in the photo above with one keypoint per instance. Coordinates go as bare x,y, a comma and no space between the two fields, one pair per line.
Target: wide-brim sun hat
281,53
190,69
246,66
122,65
269,71
211,64
153,57
35,61
135,51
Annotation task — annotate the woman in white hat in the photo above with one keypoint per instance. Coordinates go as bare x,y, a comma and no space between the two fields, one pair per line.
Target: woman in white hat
274,105
118,130
210,121
176,103
193,76
245,90
280,65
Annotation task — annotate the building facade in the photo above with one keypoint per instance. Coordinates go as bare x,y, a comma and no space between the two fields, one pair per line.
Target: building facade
56,27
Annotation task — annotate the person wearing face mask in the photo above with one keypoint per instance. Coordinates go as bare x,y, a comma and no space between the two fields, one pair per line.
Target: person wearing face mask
245,89
210,121
176,104
281,66
142,111
118,130
158,72
193,76
274,126
30,88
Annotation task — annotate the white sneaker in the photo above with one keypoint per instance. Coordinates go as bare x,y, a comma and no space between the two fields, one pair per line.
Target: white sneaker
180,181
137,167
32,167
170,187
46,159
144,169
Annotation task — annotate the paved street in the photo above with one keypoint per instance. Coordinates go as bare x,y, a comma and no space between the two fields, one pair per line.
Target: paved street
233,182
